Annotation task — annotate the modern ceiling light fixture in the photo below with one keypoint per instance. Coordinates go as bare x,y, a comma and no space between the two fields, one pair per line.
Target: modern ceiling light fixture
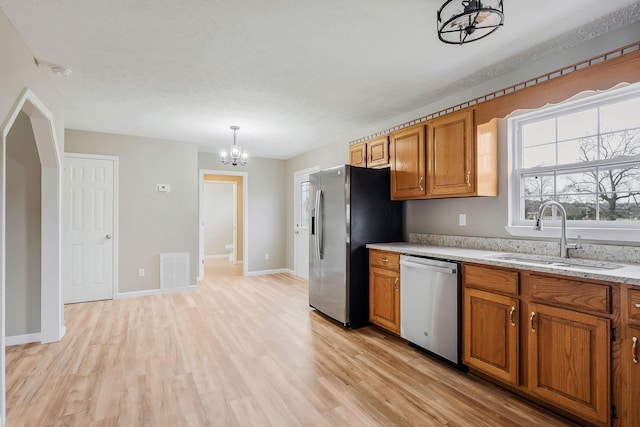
234,154
464,21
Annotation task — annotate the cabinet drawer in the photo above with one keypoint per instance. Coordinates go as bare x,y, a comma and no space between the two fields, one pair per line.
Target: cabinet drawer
634,304
382,259
490,278
571,293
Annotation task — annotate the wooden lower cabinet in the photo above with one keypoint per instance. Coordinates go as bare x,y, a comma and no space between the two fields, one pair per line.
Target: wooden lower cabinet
549,337
384,289
384,298
568,361
630,412
491,334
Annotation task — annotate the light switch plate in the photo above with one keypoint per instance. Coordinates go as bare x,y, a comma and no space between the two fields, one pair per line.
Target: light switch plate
462,221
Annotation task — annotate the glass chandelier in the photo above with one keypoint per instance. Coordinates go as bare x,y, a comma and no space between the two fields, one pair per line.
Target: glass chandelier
234,154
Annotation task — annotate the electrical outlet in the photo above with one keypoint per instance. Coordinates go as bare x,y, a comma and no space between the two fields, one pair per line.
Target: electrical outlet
462,220
266,257
141,272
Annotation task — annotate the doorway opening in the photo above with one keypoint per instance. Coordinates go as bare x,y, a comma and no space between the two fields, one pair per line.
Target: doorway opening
223,201
30,112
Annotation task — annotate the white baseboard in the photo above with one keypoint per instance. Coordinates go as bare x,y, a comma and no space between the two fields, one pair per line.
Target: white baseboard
265,272
216,256
135,294
22,339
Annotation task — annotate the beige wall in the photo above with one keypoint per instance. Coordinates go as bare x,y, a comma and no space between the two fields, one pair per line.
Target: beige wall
485,216
266,222
19,71
239,207
23,230
150,223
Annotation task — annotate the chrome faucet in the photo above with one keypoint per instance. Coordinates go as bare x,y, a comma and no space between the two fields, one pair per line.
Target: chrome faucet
563,225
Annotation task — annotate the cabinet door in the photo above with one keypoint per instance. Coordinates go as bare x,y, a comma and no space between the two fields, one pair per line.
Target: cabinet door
451,155
569,361
630,412
358,154
408,163
378,152
490,334
384,298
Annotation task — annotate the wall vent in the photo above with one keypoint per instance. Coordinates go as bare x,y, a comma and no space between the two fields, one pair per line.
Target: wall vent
174,270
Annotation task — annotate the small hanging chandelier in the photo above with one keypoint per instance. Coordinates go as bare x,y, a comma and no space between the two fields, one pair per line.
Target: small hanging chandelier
468,20
234,154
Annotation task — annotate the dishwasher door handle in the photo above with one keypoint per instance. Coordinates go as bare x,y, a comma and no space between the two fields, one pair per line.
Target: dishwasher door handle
427,267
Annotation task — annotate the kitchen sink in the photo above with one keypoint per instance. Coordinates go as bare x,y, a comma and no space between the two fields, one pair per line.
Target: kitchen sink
558,262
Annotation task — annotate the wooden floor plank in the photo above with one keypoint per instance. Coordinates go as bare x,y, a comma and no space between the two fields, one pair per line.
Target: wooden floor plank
241,351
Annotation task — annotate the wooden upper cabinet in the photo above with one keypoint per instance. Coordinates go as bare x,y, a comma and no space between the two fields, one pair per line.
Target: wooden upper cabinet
370,154
358,154
450,153
378,152
568,361
408,169
462,159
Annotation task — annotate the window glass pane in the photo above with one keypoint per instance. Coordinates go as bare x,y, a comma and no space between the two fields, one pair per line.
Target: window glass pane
539,132
578,125
572,183
579,207
618,144
621,179
536,189
620,207
541,155
304,205
577,150
620,116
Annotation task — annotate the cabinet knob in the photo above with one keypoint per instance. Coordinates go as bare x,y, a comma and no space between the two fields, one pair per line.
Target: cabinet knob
637,305
385,260
108,236
395,284
468,179
634,348
533,316
420,183
513,321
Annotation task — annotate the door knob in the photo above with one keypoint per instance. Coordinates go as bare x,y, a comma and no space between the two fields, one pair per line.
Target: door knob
108,236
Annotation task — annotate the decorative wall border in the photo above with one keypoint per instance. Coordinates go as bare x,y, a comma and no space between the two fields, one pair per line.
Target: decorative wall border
624,50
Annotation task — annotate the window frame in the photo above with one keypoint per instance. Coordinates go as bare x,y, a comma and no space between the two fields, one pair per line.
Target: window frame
586,229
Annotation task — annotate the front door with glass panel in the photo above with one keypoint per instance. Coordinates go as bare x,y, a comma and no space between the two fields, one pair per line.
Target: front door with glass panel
301,223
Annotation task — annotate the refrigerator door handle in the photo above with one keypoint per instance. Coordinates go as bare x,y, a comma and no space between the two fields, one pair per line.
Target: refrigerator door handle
319,226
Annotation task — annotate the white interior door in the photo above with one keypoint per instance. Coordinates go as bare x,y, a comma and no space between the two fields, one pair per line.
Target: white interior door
301,223
89,232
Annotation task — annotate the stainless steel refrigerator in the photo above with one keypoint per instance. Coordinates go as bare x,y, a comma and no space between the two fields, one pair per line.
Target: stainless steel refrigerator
349,208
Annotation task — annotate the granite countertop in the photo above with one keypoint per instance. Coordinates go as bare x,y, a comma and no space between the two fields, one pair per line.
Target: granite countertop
627,273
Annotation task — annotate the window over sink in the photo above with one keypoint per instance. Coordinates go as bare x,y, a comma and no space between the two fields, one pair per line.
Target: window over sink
585,154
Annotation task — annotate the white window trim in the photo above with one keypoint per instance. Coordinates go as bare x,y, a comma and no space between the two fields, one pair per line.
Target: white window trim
614,232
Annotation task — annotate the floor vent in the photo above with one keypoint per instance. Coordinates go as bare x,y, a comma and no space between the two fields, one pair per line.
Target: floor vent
174,270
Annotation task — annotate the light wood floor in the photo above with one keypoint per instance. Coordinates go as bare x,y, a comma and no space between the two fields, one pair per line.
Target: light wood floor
240,352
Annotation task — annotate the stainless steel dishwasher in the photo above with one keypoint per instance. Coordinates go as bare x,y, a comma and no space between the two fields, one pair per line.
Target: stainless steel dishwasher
429,302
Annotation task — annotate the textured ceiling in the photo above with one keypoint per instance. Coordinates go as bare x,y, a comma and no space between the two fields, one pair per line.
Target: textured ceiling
293,74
